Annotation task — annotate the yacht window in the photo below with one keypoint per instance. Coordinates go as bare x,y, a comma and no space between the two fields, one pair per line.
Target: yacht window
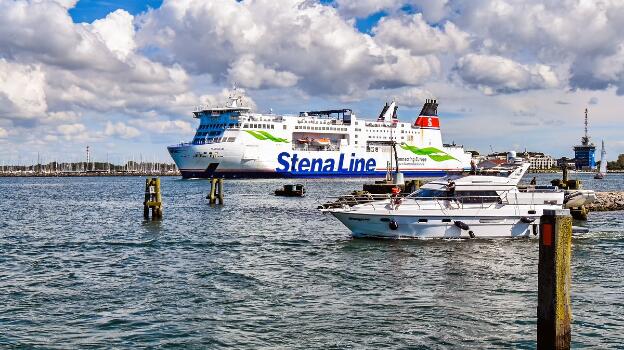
478,196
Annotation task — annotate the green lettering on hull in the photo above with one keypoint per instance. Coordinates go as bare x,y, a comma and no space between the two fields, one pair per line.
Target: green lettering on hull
263,135
431,152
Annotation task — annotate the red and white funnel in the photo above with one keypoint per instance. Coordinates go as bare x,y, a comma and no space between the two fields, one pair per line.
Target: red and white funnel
428,118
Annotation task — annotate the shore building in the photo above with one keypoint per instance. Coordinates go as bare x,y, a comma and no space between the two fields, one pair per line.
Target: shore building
585,153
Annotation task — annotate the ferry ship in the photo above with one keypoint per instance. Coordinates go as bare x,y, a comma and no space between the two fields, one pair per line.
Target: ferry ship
234,142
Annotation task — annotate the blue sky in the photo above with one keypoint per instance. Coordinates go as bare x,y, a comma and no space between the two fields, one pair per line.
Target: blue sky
125,84
90,10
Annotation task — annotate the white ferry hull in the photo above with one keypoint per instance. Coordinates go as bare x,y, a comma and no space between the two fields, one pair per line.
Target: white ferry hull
233,161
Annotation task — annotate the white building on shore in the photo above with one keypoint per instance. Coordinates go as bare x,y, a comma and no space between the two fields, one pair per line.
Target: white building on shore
539,161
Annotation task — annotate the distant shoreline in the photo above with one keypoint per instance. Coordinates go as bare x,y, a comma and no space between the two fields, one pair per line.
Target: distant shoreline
88,174
553,171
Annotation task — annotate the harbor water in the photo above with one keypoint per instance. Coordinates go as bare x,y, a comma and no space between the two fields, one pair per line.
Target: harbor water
80,268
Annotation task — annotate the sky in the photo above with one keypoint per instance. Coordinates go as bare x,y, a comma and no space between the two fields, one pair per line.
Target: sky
124,76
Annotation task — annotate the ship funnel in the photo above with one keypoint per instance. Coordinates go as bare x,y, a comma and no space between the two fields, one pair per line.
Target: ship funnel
430,108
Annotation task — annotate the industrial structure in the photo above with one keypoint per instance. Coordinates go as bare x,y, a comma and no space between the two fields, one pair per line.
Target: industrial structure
585,153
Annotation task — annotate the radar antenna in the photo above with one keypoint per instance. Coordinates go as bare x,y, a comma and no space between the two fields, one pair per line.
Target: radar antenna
585,139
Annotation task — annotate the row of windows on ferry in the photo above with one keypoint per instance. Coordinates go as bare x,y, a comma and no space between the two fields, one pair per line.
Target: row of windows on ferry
388,131
332,128
237,125
202,141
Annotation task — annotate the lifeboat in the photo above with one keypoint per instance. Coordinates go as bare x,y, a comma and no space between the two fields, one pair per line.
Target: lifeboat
305,140
321,142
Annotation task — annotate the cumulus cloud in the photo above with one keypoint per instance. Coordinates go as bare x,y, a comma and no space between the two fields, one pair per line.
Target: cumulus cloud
169,127
121,130
413,97
432,10
117,32
285,43
364,8
496,74
583,39
22,92
420,38
71,129
52,71
256,75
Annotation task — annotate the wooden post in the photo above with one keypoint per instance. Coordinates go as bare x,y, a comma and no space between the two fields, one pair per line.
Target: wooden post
213,188
216,191
153,199
554,311
147,198
220,196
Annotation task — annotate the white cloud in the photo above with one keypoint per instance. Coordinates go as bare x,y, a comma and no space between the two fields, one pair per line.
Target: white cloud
117,32
420,38
413,97
363,8
71,129
3,133
280,44
68,4
496,74
246,72
169,127
121,130
22,92
581,39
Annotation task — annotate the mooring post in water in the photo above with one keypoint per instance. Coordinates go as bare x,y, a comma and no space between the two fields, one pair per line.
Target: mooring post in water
153,199
216,191
220,195
554,311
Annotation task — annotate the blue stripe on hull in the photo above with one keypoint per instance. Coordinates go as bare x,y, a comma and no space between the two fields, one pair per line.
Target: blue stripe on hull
291,175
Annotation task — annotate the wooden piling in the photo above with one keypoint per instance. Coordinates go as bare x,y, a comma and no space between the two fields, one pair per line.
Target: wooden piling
220,188
216,191
153,199
554,311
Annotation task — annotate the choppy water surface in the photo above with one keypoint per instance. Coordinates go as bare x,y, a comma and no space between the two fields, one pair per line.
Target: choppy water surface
80,268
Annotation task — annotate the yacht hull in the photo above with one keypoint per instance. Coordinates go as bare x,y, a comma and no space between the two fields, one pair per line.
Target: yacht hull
379,226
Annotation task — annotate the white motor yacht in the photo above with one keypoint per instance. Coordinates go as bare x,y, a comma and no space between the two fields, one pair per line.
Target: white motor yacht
469,206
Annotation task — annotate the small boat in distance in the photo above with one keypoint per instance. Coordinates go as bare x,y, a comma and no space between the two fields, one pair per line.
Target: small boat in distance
297,190
602,172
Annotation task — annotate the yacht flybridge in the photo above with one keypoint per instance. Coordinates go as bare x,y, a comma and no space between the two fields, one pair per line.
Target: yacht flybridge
491,205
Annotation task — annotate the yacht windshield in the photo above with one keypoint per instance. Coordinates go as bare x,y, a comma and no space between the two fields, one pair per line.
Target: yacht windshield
426,193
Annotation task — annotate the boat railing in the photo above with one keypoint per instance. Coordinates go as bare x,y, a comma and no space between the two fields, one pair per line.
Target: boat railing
347,201
484,202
